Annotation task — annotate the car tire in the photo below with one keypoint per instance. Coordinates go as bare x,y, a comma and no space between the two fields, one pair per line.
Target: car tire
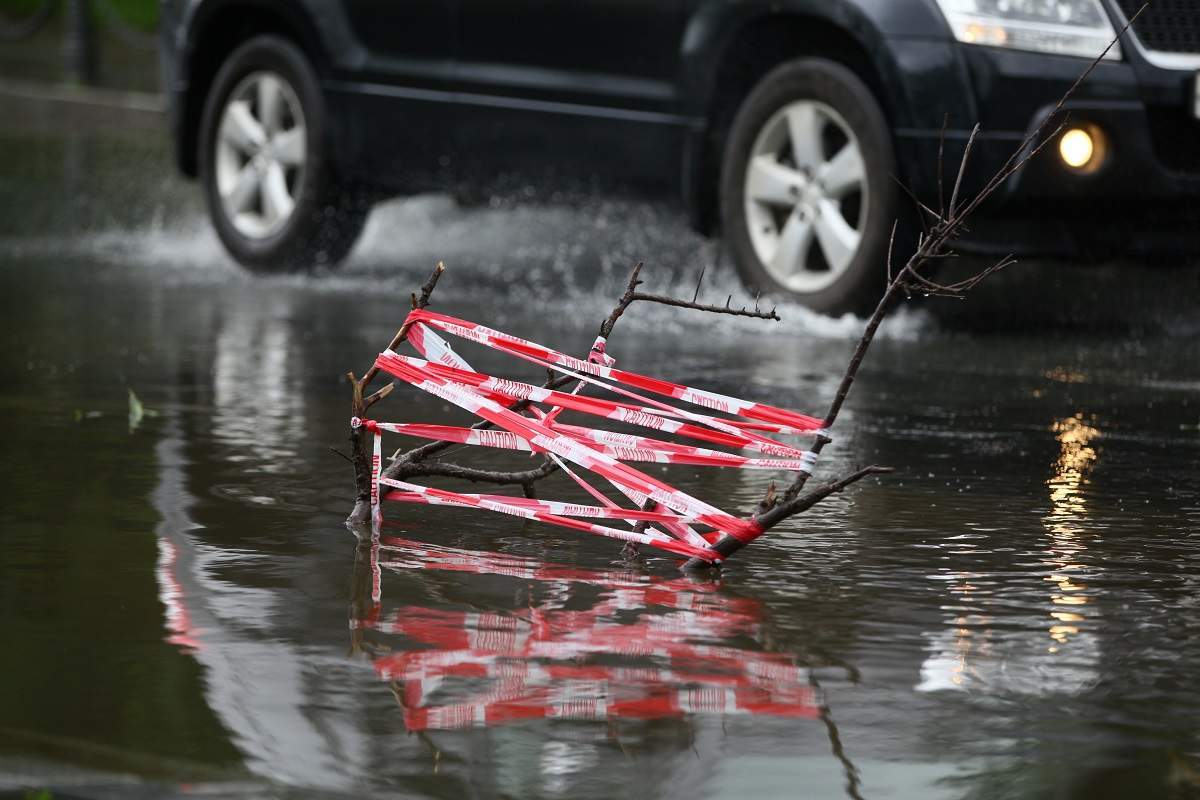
807,197
271,186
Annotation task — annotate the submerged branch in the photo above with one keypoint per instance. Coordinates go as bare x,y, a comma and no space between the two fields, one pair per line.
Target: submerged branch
771,512
446,469
783,510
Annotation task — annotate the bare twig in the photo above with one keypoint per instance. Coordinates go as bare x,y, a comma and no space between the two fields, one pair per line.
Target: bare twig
377,395
606,327
938,216
891,244
418,301
676,302
941,160
962,169
853,779
632,295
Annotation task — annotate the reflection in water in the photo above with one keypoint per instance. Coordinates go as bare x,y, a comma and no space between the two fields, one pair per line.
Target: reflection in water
1065,523
959,651
641,648
258,399
1075,460
574,644
972,654
251,676
171,595
583,645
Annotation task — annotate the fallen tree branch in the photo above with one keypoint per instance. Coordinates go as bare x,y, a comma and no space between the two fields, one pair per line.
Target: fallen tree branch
446,469
359,405
933,243
415,462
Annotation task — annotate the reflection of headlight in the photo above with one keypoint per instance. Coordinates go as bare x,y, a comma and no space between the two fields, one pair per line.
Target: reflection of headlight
1063,27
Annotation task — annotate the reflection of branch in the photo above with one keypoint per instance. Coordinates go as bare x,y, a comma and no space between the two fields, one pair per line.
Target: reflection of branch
398,692
853,782
363,607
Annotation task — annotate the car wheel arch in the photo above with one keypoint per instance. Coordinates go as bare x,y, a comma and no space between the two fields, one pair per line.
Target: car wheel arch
218,29
750,48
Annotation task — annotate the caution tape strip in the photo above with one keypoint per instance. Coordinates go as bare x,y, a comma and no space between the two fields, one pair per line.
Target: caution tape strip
445,374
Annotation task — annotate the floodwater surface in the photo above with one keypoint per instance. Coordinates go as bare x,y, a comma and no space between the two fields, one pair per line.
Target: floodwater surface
1014,613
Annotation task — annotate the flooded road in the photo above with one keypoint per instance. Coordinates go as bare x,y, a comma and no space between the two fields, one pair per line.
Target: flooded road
1014,613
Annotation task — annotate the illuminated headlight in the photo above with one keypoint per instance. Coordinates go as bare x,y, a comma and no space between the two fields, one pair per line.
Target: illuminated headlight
1076,148
1083,148
1064,27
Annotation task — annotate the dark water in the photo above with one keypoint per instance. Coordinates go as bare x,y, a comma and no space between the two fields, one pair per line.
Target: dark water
1015,613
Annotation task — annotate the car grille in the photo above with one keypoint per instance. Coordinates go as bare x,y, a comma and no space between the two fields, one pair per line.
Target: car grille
1168,26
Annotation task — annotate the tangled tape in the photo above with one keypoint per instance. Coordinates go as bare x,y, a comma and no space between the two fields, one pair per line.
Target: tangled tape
669,519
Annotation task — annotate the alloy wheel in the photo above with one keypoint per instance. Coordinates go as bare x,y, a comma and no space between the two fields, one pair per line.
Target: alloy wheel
806,196
261,153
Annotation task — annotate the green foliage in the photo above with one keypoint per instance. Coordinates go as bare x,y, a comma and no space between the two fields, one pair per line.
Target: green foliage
139,14
16,9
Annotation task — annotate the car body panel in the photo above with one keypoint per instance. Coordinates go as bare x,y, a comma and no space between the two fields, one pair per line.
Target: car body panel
428,93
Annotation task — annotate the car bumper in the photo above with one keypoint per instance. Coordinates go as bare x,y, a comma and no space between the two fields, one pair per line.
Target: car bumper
1144,114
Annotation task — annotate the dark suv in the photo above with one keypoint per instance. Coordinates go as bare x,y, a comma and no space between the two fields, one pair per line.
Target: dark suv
788,125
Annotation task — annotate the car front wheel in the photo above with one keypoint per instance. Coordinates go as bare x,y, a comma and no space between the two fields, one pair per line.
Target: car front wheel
807,197
272,190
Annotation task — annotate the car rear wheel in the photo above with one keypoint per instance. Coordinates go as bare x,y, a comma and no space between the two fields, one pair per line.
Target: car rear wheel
807,197
272,190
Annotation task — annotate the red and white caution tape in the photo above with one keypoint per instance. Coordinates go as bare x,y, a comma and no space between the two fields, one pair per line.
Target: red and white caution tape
445,374
787,421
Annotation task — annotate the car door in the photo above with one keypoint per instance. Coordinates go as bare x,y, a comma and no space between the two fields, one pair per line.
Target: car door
586,86
395,86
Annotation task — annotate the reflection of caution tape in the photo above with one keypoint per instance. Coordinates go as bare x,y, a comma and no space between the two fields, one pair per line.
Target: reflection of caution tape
743,424
474,669
15,31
